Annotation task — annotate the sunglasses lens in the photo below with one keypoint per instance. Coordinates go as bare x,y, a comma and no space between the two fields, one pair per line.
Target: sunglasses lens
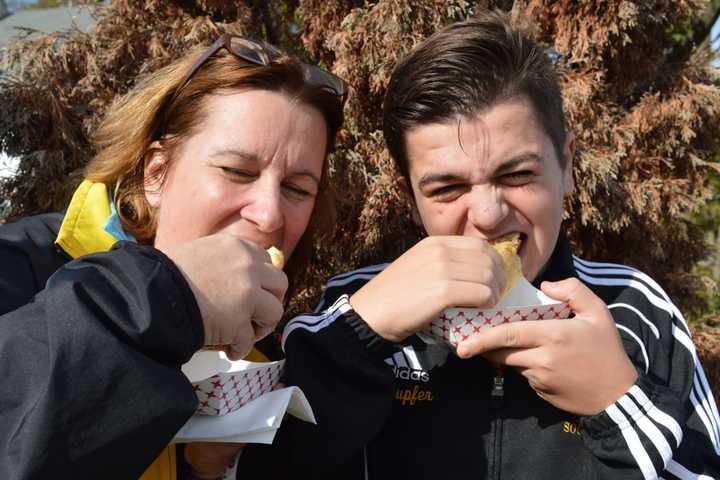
325,79
263,54
249,51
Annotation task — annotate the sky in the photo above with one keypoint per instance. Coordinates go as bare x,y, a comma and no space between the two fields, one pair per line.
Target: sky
715,37
7,165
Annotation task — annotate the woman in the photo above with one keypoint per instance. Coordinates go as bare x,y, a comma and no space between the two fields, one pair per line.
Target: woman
202,167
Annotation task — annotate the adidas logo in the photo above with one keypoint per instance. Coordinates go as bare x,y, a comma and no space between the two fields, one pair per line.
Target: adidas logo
406,366
405,373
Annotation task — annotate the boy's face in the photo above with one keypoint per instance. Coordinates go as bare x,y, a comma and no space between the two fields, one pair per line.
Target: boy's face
490,175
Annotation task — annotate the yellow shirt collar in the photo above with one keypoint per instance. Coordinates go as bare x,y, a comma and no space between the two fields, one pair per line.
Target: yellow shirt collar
82,231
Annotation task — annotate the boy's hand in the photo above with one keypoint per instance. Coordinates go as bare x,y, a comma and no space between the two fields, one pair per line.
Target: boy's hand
579,365
437,273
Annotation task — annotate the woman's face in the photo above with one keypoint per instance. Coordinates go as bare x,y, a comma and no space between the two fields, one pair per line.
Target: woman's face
251,170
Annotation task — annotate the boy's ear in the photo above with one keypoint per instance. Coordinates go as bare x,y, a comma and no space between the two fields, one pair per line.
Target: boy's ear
414,213
568,156
154,171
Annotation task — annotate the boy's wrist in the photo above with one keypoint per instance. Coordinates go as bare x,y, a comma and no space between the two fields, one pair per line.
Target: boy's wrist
366,315
368,337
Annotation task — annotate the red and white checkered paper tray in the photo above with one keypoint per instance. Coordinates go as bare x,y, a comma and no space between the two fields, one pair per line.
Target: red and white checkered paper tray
523,302
223,386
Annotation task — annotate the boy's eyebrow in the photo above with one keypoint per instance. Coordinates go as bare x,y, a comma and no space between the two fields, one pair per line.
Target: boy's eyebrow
251,157
515,161
431,178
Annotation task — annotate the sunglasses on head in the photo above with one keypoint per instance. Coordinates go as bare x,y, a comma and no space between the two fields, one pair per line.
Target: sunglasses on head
260,53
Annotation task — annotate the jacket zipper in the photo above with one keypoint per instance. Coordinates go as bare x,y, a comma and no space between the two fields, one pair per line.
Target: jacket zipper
497,401
498,389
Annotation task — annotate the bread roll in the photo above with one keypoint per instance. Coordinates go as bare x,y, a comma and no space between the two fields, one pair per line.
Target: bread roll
276,257
507,247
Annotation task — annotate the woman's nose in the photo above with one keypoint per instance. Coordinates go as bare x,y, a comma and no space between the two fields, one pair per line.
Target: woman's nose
265,209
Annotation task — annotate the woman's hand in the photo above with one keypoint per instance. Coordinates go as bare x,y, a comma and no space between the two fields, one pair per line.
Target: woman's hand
210,460
237,288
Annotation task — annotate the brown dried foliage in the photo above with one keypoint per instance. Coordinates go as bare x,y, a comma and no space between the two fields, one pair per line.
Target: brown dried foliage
646,121
56,87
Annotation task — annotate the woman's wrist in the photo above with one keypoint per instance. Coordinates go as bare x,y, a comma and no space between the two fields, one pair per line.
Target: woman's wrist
187,473
193,476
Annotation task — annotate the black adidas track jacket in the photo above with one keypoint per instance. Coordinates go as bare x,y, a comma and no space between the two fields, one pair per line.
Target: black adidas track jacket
412,411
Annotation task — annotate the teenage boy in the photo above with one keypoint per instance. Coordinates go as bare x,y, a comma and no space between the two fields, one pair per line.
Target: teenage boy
474,119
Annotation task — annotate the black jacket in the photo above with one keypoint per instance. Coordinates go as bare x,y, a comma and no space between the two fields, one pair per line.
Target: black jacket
411,411
90,355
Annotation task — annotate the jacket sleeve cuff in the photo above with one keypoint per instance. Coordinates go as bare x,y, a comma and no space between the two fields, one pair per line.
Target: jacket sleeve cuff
181,304
640,428
183,298
374,343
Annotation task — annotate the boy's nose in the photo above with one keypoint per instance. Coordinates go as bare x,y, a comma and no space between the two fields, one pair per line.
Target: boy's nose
487,208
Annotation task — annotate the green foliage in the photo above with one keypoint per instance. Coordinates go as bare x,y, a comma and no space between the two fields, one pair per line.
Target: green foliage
708,219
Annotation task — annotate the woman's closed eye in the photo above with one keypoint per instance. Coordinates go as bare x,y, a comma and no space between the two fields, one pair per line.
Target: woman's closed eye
238,174
294,189
299,192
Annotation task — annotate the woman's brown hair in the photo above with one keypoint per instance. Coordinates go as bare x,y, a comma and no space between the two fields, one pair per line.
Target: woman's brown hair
156,111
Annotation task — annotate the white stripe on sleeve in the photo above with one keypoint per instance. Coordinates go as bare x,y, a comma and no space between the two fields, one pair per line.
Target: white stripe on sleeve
651,325
315,323
649,428
656,414
685,474
637,339
633,442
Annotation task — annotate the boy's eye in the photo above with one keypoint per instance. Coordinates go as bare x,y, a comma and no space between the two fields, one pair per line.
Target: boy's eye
448,191
517,178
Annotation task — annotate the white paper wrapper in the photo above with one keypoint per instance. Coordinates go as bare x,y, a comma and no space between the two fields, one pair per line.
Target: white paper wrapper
523,302
256,422
242,400
223,386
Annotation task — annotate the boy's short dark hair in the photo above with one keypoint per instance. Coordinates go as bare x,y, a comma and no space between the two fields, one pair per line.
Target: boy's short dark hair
464,69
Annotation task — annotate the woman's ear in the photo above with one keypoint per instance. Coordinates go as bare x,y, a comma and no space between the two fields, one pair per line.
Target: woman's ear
414,213
154,172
